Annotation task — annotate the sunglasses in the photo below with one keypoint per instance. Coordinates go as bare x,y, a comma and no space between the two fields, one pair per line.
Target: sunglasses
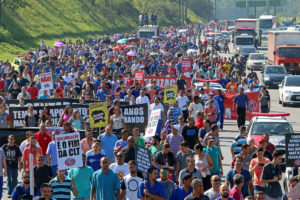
164,173
216,180
26,176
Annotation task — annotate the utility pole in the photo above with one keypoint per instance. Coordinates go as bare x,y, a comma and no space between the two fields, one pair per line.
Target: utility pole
215,9
247,8
268,7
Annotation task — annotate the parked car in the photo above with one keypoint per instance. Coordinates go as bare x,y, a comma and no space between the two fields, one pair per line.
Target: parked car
212,85
273,75
289,90
257,61
276,125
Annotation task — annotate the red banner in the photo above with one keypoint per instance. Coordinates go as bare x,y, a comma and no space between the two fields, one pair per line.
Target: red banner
139,76
253,105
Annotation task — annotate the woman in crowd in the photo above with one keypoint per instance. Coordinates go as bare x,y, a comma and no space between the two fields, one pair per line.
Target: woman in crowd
45,115
77,121
31,119
117,121
66,115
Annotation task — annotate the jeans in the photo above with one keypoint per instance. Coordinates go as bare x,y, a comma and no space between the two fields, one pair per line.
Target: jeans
258,188
241,116
12,179
220,119
1,186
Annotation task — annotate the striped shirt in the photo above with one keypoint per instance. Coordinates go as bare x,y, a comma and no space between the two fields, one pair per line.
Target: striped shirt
237,143
61,190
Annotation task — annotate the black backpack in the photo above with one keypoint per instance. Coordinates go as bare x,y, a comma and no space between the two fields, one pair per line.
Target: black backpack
24,196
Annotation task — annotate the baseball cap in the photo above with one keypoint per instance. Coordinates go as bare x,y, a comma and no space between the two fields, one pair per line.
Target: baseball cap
211,138
261,85
186,176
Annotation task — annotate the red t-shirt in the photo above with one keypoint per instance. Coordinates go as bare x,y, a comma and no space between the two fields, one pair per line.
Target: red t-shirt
236,194
129,82
36,153
33,91
2,85
171,72
199,123
60,91
44,140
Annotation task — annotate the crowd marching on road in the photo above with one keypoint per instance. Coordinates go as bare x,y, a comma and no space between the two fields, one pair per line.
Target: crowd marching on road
186,157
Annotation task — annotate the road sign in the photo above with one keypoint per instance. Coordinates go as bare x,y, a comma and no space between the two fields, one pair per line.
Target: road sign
259,3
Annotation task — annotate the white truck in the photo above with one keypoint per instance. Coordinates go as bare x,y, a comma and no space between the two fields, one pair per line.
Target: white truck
266,22
242,41
148,32
284,49
248,27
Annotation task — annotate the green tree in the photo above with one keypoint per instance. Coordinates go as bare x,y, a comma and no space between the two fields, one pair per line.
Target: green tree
11,4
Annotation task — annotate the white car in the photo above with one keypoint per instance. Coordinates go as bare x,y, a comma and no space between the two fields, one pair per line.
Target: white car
289,90
257,61
212,85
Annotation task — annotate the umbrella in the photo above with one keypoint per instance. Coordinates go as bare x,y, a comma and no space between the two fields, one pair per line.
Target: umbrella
132,54
59,44
118,35
154,54
191,51
131,38
117,48
129,46
122,41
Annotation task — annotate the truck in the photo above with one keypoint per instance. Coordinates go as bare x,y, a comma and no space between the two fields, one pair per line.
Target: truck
284,49
266,22
242,41
249,27
148,32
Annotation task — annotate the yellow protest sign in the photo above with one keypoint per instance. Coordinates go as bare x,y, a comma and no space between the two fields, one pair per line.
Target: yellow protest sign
98,114
170,94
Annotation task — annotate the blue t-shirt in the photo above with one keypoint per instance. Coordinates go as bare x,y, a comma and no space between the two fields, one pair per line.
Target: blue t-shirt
220,100
52,151
241,100
108,143
122,143
101,94
15,195
157,189
93,160
179,193
247,176
105,185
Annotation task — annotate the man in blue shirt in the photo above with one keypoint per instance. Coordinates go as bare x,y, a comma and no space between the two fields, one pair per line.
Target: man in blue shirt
102,92
220,99
184,190
152,188
52,154
24,188
93,159
105,184
108,142
241,102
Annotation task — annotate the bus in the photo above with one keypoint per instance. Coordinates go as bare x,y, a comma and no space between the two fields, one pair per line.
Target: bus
266,22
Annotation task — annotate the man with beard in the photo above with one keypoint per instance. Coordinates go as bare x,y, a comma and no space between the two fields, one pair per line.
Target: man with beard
24,188
130,183
184,190
224,192
33,149
168,184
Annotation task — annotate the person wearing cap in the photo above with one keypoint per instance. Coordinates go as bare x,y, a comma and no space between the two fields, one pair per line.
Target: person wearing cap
215,153
241,101
263,144
184,190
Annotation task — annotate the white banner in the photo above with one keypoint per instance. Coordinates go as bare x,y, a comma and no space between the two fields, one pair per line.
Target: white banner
153,123
69,152
46,81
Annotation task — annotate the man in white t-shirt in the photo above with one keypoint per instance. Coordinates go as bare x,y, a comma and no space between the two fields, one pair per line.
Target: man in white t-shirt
183,103
120,167
25,143
195,107
143,99
156,106
130,183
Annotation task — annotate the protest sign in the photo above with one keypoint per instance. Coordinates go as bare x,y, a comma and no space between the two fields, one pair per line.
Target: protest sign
292,150
98,114
45,102
232,114
46,81
135,116
18,114
143,159
186,65
153,126
68,150
139,76
170,94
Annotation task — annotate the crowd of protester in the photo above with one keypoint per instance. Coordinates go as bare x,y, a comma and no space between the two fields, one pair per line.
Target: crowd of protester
187,161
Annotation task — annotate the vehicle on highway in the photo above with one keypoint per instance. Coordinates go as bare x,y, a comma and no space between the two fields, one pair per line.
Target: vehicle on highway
209,37
266,22
212,85
257,61
264,35
289,90
148,32
242,41
272,75
249,27
276,125
245,51
226,35
284,49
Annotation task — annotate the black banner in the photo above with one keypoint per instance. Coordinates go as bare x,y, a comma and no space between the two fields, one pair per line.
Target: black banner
46,102
292,150
17,114
135,116
142,158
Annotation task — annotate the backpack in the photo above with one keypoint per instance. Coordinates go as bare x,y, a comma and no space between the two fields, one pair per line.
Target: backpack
24,196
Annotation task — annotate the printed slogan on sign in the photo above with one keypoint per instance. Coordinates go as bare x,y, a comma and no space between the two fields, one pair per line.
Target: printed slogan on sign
69,152
143,159
98,114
